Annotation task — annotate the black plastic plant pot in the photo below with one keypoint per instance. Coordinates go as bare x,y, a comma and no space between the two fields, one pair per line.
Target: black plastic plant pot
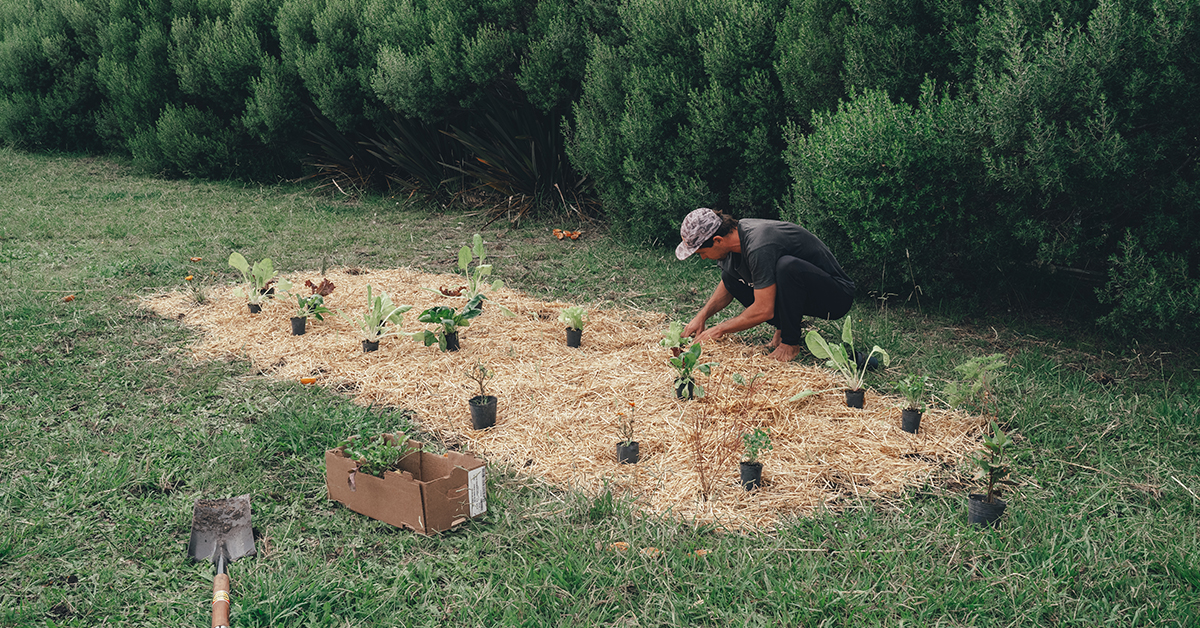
981,513
574,337
483,411
298,325
627,453
369,346
751,475
910,420
685,390
254,308
855,398
452,342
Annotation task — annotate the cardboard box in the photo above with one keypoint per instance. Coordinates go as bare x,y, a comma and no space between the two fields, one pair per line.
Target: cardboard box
430,494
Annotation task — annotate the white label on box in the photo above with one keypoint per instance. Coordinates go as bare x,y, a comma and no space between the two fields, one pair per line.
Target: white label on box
477,489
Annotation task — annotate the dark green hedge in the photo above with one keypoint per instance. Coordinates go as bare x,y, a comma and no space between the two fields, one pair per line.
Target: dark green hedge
1069,152
968,146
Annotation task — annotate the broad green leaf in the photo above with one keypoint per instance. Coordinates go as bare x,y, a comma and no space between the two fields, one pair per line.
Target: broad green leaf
803,395
478,242
817,345
464,258
238,261
847,335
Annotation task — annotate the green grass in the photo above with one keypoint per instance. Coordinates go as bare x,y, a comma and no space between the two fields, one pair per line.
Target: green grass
111,432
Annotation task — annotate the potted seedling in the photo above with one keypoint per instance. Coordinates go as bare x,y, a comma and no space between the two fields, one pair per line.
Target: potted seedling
380,312
375,456
754,443
258,280
475,280
627,448
685,363
913,388
674,339
839,358
449,322
574,318
483,405
310,305
992,467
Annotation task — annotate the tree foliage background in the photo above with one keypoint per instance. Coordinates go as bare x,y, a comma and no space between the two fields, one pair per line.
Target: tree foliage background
970,147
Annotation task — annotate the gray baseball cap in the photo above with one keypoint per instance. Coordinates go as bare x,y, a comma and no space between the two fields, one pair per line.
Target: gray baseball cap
698,226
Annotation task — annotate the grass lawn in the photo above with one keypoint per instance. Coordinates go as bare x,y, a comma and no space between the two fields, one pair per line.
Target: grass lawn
110,433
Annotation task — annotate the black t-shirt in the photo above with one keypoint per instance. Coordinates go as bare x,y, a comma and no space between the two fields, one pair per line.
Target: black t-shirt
765,241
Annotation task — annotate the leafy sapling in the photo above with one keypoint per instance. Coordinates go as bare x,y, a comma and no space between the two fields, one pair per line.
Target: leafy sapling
841,359
475,280
978,375
991,463
313,304
374,456
574,317
755,443
448,321
479,373
381,311
258,278
685,363
914,390
674,339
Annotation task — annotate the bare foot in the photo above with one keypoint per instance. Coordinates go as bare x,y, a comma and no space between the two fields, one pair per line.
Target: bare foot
785,353
776,340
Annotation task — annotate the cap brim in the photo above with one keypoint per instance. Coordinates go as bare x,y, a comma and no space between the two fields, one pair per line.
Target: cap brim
683,251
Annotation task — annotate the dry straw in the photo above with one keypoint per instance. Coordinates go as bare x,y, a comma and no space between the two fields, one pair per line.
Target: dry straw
558,412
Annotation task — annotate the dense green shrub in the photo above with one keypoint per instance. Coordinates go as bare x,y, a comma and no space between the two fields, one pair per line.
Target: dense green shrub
1067,150
682,110
48,93
132,71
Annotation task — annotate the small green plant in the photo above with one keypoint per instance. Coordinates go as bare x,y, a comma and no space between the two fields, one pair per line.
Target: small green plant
374,456
313,304
380,312
475,280
673,338
685,363
978,375
755,443
258,277
448,321
573,317
991,463
914,389
480,373
841,359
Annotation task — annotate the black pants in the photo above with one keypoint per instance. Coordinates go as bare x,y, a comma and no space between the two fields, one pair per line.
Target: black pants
801,289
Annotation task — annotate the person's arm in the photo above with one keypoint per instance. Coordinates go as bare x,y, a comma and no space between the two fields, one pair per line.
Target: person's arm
761,311
717,302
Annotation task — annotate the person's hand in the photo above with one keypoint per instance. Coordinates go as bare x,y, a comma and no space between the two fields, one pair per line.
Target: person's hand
710,334
693,328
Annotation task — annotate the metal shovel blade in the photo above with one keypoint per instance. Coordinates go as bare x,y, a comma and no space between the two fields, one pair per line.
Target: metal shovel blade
221,531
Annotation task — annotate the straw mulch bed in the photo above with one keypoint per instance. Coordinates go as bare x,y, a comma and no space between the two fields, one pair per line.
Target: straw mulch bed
559,406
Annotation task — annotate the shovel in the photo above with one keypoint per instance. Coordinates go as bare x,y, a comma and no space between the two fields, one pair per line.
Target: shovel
221,533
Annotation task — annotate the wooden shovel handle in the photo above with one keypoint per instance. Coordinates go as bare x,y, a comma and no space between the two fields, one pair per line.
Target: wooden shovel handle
220,611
